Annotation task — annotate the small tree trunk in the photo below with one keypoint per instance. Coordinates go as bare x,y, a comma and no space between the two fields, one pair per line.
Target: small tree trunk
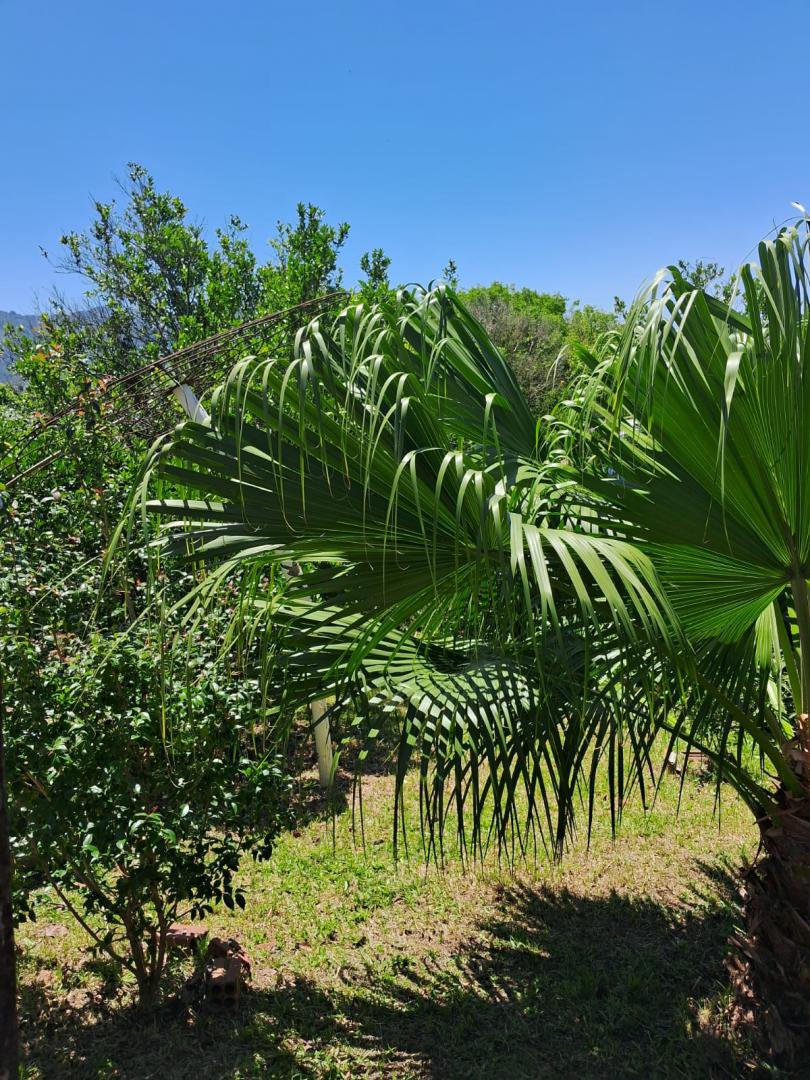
772,975
323,741
9,1051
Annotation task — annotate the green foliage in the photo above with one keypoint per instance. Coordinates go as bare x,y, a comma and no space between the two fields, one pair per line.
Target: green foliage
154,283
693,439
707,276
532,344
711,278
134,791
450,274
517,602
533,331
13,323
135,784
526,302
374,264
306,262
449,590
527,599
587,325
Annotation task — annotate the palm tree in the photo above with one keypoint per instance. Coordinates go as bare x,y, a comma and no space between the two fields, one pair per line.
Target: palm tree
447,587
525,603
697,446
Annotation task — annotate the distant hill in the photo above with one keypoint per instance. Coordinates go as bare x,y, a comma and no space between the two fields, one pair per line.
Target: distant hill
13,317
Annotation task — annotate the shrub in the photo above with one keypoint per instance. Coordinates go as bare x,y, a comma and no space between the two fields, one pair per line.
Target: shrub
134,794
135,783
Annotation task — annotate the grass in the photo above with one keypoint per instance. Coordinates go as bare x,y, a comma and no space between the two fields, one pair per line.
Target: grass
610,965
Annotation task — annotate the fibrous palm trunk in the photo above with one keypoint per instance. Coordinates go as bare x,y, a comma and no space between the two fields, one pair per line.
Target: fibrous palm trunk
772,974
8,975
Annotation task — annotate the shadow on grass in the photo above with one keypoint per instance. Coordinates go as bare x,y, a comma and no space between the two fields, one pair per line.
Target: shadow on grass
311,802
555,985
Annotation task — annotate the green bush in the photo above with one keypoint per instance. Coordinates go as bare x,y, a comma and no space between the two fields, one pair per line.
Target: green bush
134,792
533,331
137,778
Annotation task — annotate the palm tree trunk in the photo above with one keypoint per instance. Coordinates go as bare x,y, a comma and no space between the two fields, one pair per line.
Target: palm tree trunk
772,975
801,604
9,1063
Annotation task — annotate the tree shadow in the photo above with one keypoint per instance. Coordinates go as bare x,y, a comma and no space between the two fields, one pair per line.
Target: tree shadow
557,984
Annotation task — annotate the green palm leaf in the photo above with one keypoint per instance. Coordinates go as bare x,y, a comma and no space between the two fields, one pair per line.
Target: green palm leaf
444,562
697,447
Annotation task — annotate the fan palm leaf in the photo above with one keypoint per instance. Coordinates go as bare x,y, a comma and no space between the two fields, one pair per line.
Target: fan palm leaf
693,439
696,446
445,573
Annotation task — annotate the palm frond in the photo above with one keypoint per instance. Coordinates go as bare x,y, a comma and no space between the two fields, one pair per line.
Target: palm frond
451,583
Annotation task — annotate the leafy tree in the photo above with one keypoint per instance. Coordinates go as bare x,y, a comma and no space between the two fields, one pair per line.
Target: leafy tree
532,344
135,785
374,264
532,611
526,302
707,276
9,1037
587,325
159,826
450,274
533,331
711,278
154,283
135,793
306,263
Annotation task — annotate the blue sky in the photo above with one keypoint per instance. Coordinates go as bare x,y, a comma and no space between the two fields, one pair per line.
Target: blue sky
571,147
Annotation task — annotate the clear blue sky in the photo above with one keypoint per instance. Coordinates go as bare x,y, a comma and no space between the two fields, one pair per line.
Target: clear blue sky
566,146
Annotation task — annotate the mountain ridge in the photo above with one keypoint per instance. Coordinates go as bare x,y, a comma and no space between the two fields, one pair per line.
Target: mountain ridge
15,318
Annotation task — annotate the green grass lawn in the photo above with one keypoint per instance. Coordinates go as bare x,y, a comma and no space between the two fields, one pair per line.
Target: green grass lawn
610,965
